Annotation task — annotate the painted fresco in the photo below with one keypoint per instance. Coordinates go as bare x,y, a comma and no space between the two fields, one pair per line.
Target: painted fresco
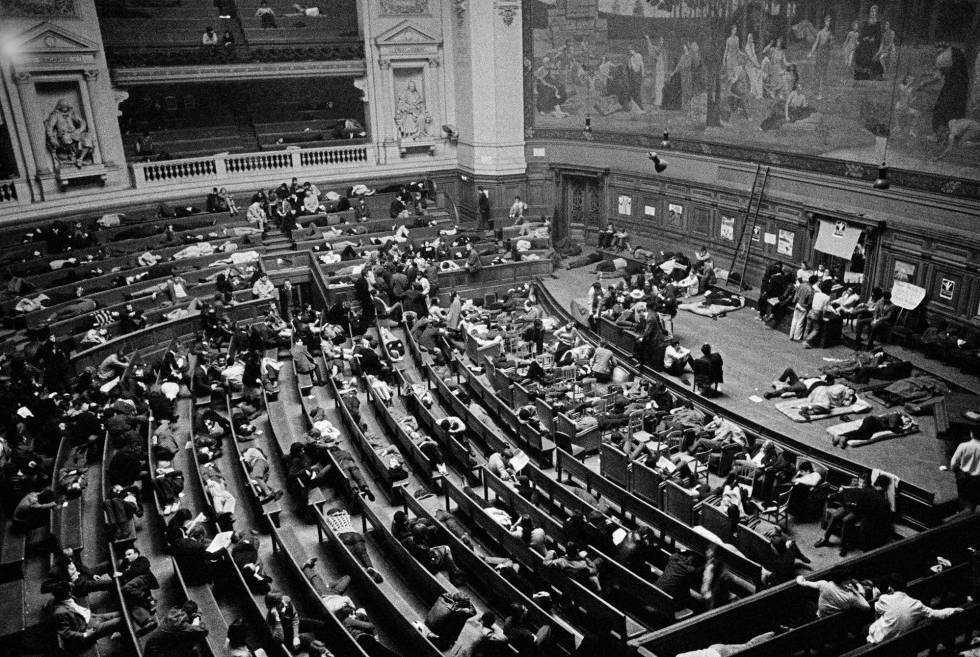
853,80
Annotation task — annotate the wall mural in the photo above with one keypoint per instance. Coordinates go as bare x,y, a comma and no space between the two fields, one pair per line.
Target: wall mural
38,8
830,78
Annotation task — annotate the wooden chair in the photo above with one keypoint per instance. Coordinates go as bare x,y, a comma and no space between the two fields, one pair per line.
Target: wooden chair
720,462
779,514
635,428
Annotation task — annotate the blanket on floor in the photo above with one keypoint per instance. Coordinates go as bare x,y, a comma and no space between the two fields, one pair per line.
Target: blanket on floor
791,409
698,308
912,390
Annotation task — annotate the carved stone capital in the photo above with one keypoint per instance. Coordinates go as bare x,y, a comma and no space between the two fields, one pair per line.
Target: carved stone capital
22,77
508,10
434,62
91,74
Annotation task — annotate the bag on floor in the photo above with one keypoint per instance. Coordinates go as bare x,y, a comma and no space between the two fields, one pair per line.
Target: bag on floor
447,617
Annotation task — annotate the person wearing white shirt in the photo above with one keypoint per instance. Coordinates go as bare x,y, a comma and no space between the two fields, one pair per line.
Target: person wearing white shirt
256,213
965,464
847,303
517,211
817,316
264,288
898,613
210,37
676,358
803,273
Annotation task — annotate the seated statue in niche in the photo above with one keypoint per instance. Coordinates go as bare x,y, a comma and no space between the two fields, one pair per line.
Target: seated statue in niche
68,137
411,117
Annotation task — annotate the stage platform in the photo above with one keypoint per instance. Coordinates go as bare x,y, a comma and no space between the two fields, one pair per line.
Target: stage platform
755,355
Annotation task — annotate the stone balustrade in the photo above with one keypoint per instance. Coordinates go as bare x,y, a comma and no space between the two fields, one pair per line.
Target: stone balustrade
222,169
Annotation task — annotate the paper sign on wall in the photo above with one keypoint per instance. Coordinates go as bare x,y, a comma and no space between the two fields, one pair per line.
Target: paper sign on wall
947,287
770,238
785,244
728,228
537,152
649,211
625,205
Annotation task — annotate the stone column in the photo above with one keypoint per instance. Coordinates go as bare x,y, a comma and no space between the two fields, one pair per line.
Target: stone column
88,79
490,88
35,122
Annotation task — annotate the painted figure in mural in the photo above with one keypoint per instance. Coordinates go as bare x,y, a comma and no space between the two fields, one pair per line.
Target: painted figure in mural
730,58
820,54
753,67
635,70
684,72
67,135
951,70
774,65
794,110
658,63
849,47
905,114
739,89
887,51
866,64
410,113
551,94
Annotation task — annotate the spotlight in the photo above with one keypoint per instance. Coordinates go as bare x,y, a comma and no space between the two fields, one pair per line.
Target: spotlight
882,181
449,133
666,140
659,165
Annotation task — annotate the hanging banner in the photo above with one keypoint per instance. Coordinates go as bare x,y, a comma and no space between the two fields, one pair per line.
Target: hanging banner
837,238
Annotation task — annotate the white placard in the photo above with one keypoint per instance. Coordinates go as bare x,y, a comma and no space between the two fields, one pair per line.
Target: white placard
907,296
770,238
537,152
728,228
649,211
625,205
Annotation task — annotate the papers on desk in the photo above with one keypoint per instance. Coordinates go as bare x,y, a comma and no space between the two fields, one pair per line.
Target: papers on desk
666,464
519,461
220,541
755,398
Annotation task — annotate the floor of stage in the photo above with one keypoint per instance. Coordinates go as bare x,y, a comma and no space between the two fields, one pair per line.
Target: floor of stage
755,355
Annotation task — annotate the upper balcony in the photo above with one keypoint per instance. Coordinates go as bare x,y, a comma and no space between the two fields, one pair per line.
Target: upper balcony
169,33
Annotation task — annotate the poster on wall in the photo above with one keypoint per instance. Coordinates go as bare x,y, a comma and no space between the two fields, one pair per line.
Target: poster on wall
904,272
728,228
785,244
675,215
625,205
757,233
947,288
649,211
770,238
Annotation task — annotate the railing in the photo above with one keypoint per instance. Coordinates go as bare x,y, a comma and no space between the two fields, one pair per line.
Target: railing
219,168
9,194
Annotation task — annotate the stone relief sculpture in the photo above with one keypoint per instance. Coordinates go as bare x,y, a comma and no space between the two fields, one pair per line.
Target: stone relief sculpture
402,7
411,116
67,135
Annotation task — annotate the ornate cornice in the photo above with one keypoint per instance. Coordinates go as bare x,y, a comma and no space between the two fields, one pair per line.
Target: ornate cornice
914,180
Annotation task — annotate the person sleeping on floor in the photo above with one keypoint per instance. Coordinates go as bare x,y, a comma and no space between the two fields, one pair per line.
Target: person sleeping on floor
889,425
